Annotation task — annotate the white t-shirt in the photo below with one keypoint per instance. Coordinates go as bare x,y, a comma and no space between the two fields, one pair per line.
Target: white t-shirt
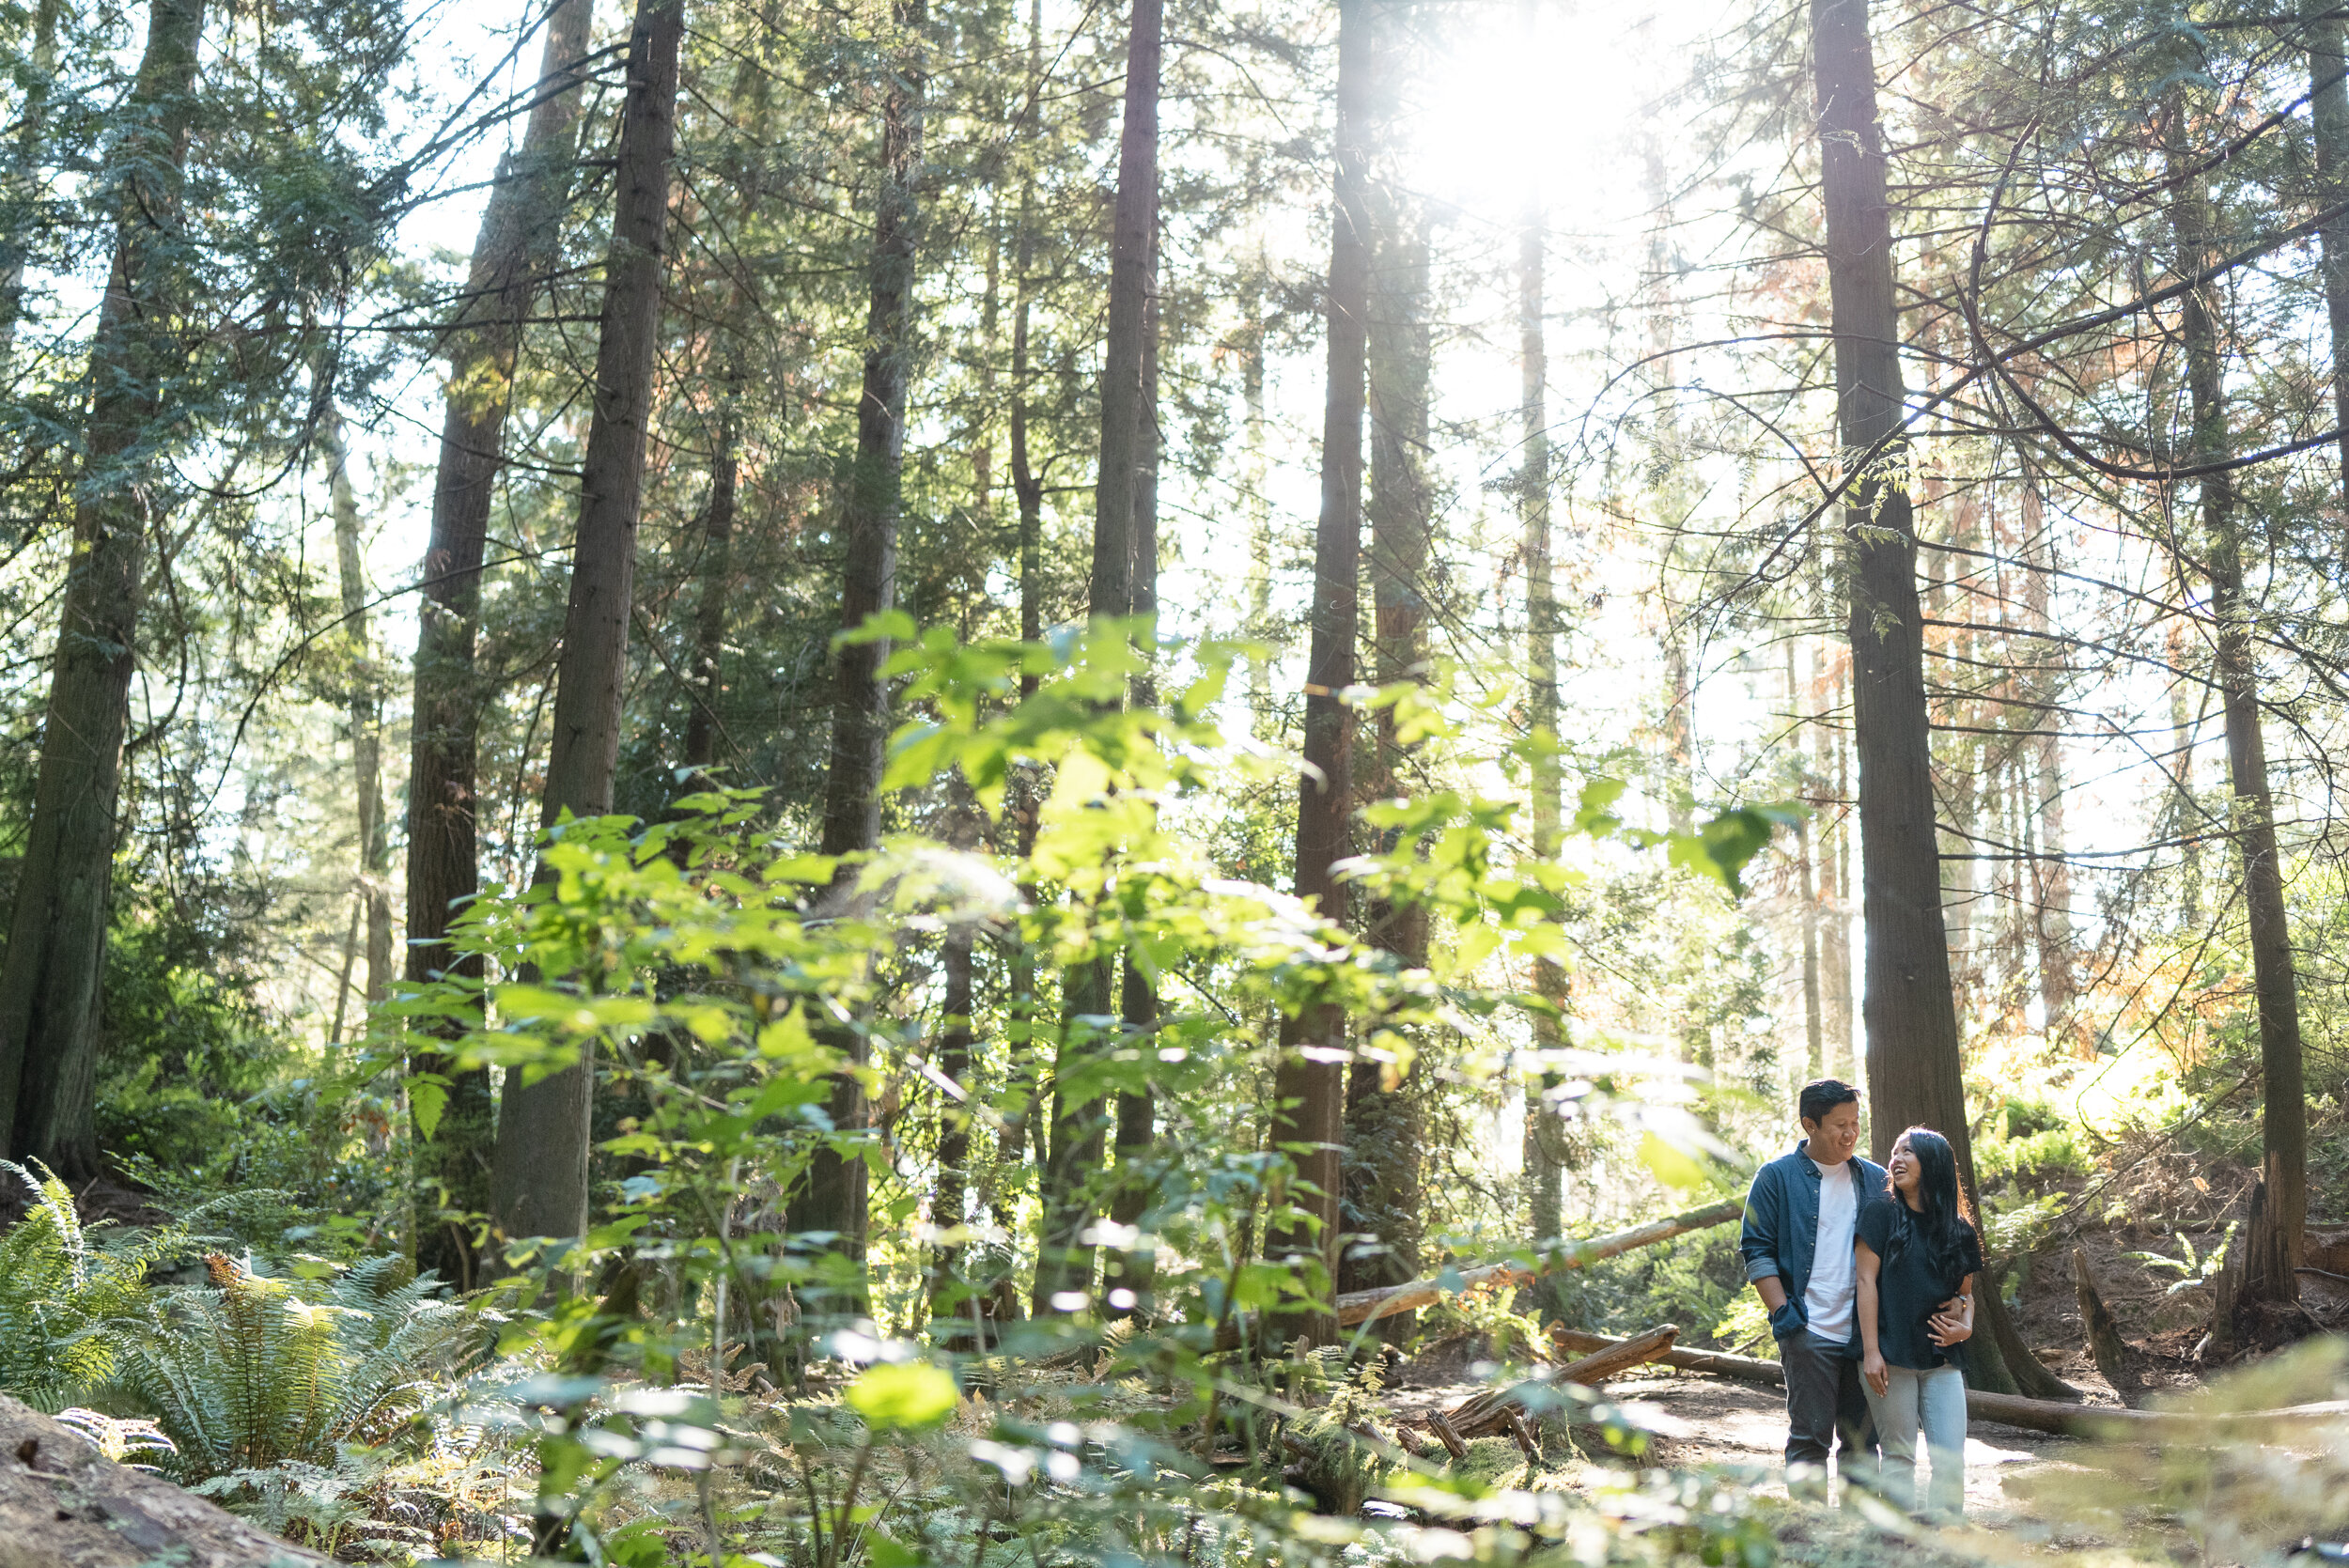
1826,1300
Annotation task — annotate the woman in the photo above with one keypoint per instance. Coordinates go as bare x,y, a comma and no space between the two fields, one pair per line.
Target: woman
1918,1254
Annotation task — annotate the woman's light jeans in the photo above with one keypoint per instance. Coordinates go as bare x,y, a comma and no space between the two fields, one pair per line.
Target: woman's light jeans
1932,1402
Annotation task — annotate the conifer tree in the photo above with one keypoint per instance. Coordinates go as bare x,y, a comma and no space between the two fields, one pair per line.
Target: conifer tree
538,1186
1914,1070
1309,1088
831,1199
58,934
513,258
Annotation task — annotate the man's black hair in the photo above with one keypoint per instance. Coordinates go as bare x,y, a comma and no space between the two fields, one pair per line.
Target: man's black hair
1824,1095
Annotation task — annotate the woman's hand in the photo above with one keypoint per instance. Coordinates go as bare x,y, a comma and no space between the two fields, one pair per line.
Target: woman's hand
1954,1324
1872,1369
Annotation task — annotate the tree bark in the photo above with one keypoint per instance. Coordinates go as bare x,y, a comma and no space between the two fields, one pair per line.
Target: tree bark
717,573
1914,1072
832,1198
1545,1209
513,256
2051,873
953,1138
49,986
1807,907
364,709
2328,114
1133,1269
1384,1135
1063,1264
1961,764
874,502
2187,809
1309,1094
2272,1243
23,183
1833,761
538,1186
1263,720
1132,241
2114,1355
1027,485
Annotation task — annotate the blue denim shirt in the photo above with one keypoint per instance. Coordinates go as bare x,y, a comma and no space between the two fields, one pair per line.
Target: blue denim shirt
1782,1228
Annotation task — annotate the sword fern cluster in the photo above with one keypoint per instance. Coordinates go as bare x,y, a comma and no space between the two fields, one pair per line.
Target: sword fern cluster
66,1306
247,1372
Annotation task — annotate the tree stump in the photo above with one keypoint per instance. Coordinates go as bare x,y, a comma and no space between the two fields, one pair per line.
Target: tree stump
2123,1367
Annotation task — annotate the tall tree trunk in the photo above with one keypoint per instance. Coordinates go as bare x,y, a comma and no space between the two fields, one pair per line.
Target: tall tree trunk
538,1186
513,256
1384,1136
364,708
1309,1094
1131,245
24,185
717,574
1965,754
1832,759
1129,1272
2329,113
947,1200
1913,1065
950,1200
2051,873
874,502
2272,1248
1254,471
1065,1264
49,988
1027,485
1807,901
2186,810
831,1199
1545,1209
1670,495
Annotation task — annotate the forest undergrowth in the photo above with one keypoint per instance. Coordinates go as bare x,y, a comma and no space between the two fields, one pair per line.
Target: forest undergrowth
696,1381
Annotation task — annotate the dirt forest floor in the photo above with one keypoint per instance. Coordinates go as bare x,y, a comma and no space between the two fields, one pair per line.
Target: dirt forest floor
1702,1421
2030,1498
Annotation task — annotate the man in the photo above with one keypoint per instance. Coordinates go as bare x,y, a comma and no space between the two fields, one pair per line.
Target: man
1798,1245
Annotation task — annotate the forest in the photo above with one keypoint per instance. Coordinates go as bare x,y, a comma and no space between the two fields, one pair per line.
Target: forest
855,783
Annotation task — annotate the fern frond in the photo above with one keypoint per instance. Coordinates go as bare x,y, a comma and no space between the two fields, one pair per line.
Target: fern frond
253,1374
66,1304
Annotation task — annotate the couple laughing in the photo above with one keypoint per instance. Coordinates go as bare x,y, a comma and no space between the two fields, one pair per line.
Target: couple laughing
1868,1273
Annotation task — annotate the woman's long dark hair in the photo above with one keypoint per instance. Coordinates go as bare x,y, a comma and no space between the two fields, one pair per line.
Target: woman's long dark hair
1939,1223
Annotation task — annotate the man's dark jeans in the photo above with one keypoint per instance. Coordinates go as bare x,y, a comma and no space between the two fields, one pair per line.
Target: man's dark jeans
1825,1400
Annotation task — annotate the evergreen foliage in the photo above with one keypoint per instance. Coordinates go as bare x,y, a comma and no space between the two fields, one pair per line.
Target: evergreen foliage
980,1191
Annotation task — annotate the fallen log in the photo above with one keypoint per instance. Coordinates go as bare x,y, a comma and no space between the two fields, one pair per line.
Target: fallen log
1366,1306
1745,1369
1493,1411
1622,1355
63,1504
2104,1421
2050,1415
